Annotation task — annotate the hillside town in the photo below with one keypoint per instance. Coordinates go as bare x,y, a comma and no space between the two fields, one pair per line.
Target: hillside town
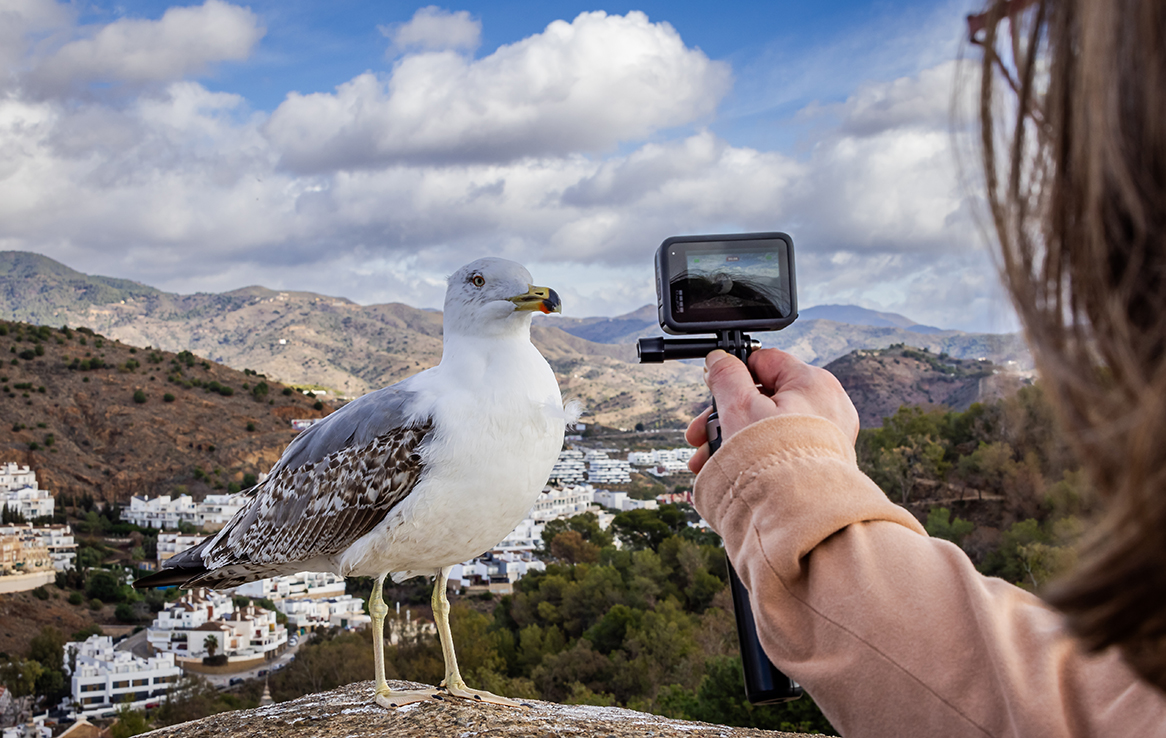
250,630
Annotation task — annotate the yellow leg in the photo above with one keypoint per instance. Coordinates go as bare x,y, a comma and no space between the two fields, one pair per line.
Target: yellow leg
384,696
453,681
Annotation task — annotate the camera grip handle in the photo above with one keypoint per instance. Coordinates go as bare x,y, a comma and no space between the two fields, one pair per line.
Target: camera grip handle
764,683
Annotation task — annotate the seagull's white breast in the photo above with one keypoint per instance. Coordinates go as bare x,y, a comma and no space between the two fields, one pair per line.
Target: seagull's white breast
498,429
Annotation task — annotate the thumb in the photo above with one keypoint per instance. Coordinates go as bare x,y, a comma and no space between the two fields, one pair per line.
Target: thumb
729,380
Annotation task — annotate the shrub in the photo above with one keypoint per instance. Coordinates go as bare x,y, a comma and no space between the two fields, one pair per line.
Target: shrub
167,397
319,405
250,427
27,354
287,391
75,598
95,604
139,396
40,593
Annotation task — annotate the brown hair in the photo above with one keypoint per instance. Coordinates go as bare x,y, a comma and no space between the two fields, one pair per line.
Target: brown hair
1075,172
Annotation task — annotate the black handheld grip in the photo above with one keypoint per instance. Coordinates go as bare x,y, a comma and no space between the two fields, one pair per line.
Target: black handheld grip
764,683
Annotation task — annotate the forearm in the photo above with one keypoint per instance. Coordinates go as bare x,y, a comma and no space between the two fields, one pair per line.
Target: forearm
894,633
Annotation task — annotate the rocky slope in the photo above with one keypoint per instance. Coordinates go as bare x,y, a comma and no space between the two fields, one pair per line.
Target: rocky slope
350,711
69,410
880,381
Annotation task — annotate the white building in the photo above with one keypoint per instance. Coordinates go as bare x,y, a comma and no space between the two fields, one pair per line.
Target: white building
165,513
526,536
569,469
663,462
620,501
160,512
102,679
311,584
244,635
173,543
170,631
57,539
19,491
602,470
308,613
563,503
13,477
215,511
498,571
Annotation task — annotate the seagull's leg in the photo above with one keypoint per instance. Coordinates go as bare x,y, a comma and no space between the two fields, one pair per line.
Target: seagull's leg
378,610
453,681
385,697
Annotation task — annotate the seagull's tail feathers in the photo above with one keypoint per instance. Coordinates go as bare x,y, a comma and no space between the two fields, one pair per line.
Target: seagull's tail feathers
181,569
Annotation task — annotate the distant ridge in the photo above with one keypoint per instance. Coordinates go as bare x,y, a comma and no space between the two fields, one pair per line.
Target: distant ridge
854,315
332,343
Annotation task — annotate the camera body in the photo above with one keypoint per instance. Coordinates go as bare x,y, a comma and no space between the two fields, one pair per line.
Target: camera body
726,285
740,281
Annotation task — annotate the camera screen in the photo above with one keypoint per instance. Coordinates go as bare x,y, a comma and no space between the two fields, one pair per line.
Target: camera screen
729,281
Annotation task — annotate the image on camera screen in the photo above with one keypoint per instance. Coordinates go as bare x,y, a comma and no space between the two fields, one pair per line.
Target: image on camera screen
748,280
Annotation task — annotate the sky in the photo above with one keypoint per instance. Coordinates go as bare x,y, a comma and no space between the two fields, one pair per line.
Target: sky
366,150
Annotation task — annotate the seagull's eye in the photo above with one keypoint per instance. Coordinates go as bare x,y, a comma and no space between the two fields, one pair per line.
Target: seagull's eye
478,280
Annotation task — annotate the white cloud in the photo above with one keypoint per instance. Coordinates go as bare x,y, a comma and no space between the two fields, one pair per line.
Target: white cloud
183,42
435,29
378,191
583,86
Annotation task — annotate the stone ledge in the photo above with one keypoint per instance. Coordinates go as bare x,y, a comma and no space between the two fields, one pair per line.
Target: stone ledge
350,711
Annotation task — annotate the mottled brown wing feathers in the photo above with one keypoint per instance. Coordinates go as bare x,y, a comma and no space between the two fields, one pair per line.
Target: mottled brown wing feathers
320,508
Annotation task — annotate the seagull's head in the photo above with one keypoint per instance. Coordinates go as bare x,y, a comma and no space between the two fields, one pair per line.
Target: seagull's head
492,296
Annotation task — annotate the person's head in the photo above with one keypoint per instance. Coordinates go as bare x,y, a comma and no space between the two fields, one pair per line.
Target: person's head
1073,115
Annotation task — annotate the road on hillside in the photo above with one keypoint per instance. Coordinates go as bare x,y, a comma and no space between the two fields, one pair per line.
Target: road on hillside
222,681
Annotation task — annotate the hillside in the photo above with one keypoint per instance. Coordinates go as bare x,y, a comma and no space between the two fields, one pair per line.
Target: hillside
70,413
308,339
824,333
880,381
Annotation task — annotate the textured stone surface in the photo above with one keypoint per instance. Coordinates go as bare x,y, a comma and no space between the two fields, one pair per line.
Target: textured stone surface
350,711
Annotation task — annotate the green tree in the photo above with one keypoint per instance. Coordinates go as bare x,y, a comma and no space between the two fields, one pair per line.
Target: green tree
570,547
212,645
585,524
647,529
940,525
130,722
104,585
20,675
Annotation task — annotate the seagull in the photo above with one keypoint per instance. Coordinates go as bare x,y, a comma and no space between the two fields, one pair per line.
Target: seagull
413,478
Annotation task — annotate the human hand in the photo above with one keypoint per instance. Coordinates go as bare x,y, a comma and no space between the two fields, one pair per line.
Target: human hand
789,386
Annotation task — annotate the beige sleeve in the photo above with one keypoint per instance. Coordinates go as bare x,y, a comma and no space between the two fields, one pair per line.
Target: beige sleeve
892,632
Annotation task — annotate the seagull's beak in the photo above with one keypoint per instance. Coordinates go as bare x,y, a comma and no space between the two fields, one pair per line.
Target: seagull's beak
543,299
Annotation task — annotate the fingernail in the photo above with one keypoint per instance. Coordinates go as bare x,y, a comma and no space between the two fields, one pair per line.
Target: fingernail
713,358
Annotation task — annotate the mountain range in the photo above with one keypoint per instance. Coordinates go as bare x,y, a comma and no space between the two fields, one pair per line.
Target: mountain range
333,344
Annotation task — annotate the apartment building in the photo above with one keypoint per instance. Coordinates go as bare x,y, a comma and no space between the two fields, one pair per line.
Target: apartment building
102,679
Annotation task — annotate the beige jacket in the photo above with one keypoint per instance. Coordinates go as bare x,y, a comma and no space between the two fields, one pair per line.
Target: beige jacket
895,633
